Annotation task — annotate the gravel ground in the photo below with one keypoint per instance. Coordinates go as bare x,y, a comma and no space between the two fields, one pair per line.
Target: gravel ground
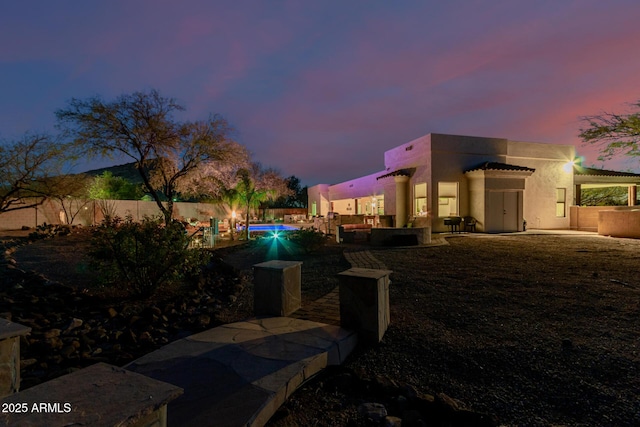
533,329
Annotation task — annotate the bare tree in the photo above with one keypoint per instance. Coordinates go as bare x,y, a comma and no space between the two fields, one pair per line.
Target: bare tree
25,165
71,191
614,133
141,127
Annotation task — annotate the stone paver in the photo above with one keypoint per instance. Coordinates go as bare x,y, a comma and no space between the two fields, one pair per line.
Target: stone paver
363,258
326,309
239,374
100,395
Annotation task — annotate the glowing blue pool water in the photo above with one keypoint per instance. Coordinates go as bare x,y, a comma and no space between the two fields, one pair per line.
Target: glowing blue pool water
271,227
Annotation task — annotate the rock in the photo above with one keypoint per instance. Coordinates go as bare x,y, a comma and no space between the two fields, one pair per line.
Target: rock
25,363
54,343
385,384
373,411
111,312
392,421
73,324
52,333
67,350
446,401
204,320
146,337
412,418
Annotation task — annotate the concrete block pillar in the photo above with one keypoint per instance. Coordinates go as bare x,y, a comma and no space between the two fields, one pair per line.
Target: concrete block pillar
364,302
402,192
633,195
277,287
10,334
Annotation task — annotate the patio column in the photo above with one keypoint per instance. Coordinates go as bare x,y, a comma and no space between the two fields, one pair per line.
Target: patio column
633,195
401,200
578,195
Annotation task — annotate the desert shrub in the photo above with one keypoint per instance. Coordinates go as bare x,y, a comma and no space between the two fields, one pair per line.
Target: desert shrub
139,257
309,239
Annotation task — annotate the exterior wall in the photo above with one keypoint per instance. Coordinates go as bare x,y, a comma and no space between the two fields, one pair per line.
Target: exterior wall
416,155
585,218
343,196
318,194
549,161
90,214
436,158
619,223
452,155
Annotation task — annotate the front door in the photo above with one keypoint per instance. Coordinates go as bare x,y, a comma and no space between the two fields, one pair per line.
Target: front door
502,211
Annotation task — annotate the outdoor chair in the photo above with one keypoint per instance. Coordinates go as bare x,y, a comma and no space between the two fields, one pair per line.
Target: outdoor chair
469,223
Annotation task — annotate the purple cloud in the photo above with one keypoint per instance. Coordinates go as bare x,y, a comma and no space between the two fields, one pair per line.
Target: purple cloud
321,90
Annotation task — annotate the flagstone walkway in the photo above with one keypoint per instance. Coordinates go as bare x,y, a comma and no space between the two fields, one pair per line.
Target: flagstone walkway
239,374
326,309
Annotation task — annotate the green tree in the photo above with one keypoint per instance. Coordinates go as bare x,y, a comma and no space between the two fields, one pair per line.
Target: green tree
25,166
142,127
107,186
614,133
249,186
295,197
106,189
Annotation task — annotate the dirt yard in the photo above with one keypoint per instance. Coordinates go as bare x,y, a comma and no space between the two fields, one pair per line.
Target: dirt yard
535,330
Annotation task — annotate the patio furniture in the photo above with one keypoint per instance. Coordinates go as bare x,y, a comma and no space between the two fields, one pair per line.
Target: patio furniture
453,222
469,224
352,233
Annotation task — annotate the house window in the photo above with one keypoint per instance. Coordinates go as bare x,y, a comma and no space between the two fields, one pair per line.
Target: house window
561,202
314,209
447,199
420,199
377,205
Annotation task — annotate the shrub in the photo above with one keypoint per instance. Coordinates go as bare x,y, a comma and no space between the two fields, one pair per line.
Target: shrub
139,257
309,239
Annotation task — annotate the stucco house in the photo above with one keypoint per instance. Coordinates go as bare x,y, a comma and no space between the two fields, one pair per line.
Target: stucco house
499,182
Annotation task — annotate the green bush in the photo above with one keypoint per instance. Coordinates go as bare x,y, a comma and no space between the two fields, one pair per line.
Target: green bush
139,257
309,239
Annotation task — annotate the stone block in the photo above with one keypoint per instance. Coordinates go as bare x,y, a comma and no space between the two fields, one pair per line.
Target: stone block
100,395
364,302
10,334
277,287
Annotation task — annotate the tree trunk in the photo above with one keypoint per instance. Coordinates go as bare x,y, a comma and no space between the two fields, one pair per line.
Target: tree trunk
246,223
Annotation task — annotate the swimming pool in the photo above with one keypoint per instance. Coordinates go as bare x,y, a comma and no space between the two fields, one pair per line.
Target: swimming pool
271,227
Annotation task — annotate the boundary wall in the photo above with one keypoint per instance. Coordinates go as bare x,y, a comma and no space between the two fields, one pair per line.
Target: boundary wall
89,212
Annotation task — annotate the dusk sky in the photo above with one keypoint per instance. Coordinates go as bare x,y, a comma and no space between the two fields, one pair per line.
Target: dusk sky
320,89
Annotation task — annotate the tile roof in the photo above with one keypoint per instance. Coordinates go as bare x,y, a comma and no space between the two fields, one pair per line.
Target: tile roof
399,172
496,166
580,170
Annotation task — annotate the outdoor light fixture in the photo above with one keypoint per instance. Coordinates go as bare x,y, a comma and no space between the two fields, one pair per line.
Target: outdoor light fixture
568,167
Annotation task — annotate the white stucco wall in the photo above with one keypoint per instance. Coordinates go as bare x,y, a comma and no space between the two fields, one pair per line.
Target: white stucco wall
438,158
549,161
318,194
416,155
